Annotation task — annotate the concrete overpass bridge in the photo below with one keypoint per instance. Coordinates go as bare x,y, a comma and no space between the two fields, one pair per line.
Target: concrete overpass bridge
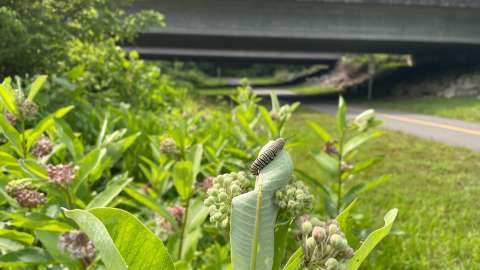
310,30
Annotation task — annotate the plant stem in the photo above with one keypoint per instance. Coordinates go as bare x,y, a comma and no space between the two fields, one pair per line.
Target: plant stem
253,261
184,225
339,180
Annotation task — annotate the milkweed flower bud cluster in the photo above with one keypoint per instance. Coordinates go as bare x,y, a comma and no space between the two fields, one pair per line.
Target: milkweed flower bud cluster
324,245
77,245
28,109
26,195
295,198
330,148
42,147
225,188
62,174
168,146
165,227
10,118
206,184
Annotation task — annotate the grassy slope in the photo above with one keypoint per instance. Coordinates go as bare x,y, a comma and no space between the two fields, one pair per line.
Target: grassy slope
436,188
464,108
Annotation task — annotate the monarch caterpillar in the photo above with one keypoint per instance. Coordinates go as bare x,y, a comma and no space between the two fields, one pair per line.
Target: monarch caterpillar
267,155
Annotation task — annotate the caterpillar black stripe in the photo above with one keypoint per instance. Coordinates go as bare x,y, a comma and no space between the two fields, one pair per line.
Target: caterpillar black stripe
267,155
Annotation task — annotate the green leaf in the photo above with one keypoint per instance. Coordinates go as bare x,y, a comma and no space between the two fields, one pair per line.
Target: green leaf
271,125
11,134
23,258
341,115
254,214
295,260
345,220
146,201
360,139
122,240
281,237
114,187
36,221
7,99
88,164
36,86
196,159
275,103
34,169
25,238
45,124
321,132
327,162
182,178
66,136
372,240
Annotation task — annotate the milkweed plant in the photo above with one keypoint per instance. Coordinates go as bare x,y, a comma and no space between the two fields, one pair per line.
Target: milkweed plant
209,192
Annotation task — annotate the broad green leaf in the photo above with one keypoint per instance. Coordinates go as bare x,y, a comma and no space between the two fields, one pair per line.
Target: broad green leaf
66,136
12,135
7,245
36,221
196,159
122,240
7,99
45,124
281,237
23,258
251,238
345,220
182,178
341,115
372,240
360,139
36,86
34,169
321,132
102,133
327,162
275,103
88,164
362,165
50,242
22,237
146,201
295,261
271,125
114,187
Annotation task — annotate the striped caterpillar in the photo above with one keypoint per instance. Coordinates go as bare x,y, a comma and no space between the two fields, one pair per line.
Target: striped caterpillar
267,155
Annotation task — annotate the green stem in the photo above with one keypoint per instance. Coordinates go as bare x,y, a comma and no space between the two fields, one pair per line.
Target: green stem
253,261
184,225
69,198
339,180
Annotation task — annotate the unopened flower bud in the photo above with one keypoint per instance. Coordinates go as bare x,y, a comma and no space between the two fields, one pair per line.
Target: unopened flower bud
168,146
28,109
10,118
306,227
62,174
319,233
331,264
222,196
336,240
311,243
42,147
332,229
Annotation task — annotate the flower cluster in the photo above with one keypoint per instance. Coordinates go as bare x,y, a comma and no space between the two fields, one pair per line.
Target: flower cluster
324,245
295,198
62,174
282,114
77,245
225,188
206,184
331,148
165,227
28,109
26,195
168,146
10,118
42,147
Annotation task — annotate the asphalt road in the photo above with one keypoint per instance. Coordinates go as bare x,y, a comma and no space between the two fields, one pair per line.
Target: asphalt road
453,132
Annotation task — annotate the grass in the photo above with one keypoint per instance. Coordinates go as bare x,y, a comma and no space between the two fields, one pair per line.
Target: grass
463,108
434,186
303,90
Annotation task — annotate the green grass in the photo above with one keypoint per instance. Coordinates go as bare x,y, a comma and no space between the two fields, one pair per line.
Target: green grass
463,108
436,188
312,89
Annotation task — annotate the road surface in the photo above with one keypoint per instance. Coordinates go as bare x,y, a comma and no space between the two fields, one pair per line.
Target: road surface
453,132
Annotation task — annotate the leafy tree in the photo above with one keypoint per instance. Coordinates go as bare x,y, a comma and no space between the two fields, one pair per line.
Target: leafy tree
36,34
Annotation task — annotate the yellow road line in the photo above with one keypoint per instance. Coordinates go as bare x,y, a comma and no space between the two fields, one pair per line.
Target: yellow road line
425,123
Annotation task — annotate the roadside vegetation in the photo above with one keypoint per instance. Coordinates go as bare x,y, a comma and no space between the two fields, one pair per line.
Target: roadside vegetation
462,108
433,184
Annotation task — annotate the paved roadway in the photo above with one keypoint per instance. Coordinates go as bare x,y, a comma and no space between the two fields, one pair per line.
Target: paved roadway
453,132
